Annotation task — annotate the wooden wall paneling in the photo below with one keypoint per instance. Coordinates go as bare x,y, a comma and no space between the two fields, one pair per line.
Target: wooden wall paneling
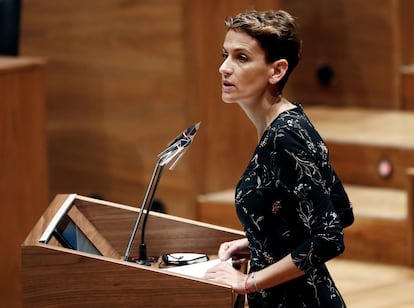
359,139
227,138
406,40
218,208
358,164
406,29
116,95
121,84
378,240
410,214
23,169
358,42
407,87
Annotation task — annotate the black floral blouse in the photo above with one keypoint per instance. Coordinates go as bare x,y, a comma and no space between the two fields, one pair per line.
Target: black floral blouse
285,202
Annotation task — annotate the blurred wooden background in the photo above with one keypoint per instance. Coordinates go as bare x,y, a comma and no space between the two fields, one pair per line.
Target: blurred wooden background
367,46
123,78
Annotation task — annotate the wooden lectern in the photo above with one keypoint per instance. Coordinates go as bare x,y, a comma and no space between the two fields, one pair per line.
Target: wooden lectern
55,272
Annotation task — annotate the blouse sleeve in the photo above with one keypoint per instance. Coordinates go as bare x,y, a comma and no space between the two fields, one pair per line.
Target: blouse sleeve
341,202
305,180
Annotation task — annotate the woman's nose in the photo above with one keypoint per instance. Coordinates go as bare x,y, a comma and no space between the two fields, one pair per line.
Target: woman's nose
224,68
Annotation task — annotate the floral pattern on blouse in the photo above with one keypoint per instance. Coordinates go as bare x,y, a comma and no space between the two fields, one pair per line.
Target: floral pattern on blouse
284,200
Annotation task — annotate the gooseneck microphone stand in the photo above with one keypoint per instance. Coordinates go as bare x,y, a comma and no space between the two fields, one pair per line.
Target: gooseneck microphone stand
175,149
151,187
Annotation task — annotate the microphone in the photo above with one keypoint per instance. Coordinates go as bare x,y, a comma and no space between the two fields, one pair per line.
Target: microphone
178,145
175,147
185,135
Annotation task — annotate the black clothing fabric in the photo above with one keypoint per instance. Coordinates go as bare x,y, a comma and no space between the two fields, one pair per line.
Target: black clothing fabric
284,200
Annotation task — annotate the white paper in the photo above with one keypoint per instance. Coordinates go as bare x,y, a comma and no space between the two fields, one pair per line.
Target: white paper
195,270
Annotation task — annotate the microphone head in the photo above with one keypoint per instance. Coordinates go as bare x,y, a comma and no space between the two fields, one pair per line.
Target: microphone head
195,127
188,133
179,144
192,130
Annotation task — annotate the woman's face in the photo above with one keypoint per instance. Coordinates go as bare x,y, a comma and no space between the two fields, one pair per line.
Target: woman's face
245,74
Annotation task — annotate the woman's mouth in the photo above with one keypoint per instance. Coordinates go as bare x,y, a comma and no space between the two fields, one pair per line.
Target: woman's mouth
227,85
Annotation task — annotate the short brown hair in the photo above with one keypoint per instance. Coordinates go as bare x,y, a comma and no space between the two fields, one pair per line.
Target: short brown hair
276,32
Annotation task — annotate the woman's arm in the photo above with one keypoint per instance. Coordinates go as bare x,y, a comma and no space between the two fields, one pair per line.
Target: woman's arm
282,271
275,274
238,250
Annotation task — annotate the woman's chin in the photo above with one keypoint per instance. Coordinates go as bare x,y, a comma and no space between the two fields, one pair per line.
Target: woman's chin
227,100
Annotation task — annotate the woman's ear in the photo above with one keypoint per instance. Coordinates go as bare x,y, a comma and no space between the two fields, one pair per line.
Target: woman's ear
279,69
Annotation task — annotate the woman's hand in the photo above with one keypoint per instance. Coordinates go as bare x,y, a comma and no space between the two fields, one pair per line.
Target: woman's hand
225,273
237,250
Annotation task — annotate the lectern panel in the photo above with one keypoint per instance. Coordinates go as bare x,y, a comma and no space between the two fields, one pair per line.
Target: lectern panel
59,270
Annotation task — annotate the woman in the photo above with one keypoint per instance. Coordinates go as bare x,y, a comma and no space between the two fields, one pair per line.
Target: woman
289,197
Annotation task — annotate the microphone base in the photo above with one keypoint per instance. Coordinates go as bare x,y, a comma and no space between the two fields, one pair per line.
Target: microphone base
148,261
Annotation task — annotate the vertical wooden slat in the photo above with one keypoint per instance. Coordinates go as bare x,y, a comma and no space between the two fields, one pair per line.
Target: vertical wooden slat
406,27
23,169
410,214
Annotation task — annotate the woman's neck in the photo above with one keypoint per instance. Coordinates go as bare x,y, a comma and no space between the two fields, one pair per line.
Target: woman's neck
264,116
263,111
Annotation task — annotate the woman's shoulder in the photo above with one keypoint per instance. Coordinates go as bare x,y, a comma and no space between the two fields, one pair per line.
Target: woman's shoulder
279,135
292,116
288,122
292,128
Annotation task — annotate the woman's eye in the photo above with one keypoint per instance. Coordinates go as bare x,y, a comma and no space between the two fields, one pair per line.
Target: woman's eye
242,58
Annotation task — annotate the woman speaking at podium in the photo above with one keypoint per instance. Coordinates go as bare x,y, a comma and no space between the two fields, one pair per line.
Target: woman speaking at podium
289,198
